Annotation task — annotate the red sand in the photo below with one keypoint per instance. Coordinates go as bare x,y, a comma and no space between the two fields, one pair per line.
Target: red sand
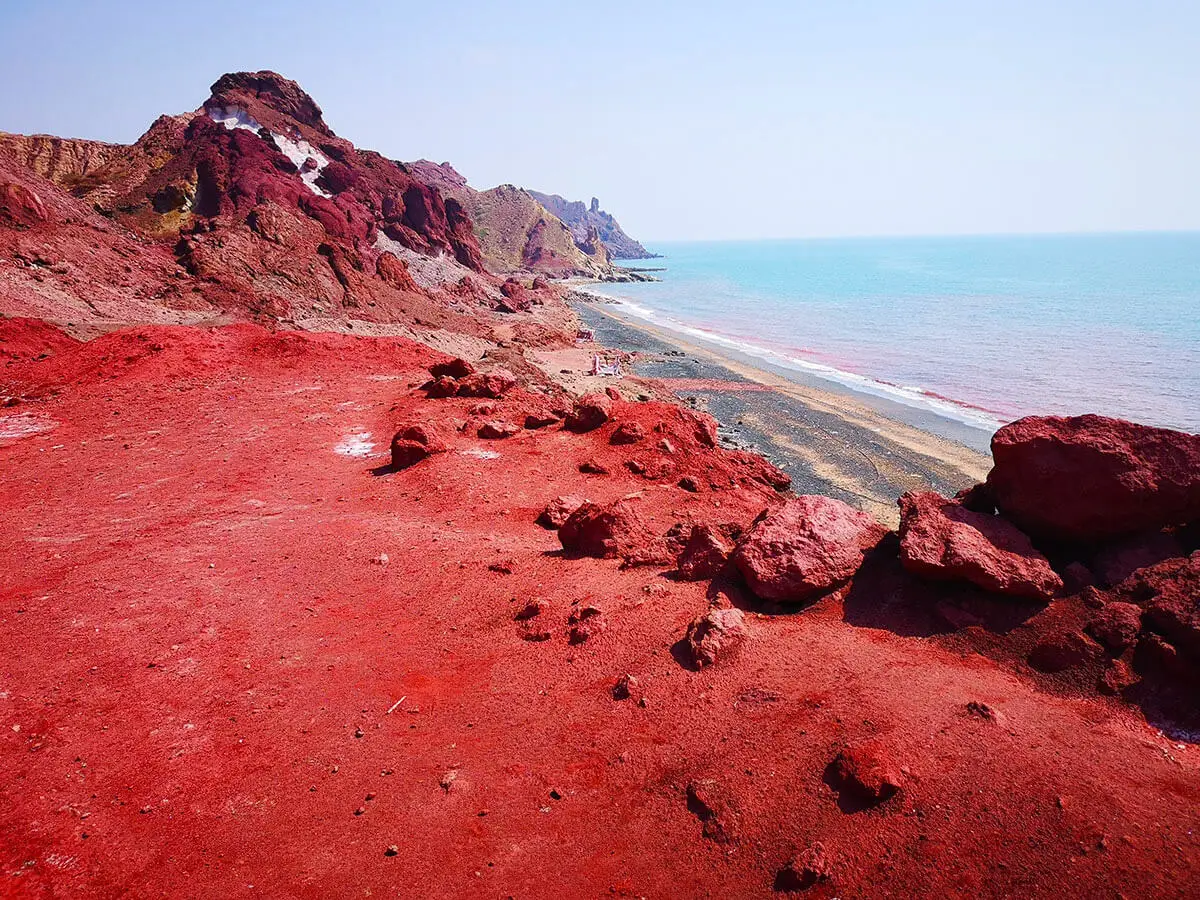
208,689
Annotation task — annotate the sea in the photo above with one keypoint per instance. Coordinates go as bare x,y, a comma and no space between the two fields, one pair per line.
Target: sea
982,330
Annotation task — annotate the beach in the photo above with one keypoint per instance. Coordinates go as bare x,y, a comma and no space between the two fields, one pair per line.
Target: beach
830,440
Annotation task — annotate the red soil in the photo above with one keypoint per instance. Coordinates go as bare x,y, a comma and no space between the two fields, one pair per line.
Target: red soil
211,685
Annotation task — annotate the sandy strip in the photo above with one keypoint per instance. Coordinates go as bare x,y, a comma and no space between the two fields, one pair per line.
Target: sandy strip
828,440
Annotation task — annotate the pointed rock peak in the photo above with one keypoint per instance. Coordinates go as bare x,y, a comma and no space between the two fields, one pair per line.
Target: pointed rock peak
262,94
595,205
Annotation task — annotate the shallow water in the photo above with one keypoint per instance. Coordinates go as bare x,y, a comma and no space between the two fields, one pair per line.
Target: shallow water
982,329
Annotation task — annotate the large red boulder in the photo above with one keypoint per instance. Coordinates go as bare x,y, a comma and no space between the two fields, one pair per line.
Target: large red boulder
941,539
1088,478
21,206
807,547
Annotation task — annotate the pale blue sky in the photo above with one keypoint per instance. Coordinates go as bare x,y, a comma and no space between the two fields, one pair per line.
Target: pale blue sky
689,119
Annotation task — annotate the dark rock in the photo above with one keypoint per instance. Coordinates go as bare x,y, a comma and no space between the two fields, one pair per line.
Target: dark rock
494,384
591,467
1119,559
709,802
624,687
805,870
584,623
1116,677
455,368
534,421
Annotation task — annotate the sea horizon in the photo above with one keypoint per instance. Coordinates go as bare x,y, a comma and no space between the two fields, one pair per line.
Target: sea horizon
981,329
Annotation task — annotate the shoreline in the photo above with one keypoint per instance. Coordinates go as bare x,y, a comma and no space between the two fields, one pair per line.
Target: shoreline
828,438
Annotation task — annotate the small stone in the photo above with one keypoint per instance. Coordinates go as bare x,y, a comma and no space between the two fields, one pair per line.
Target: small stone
360,810
624,687
627,433
380,560
1116,677
868,773
811,866
358,732
714,635
496,431
391,851
591,467
532,609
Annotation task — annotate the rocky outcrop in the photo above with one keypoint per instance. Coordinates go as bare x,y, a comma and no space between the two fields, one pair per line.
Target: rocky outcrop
1090,478
590,223
805,548
941,539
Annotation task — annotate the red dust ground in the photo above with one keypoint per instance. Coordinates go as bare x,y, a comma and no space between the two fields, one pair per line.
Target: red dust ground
211,684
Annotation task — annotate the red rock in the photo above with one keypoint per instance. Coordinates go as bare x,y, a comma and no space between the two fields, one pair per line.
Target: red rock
494,384
515,297
441,388
590,412
941,539
1170,594
21,206
868,773
531,610
714,807
1089,478
413,443
624,687
1063,650
807,547
1116,677
705,555
689,484
394,271
558,510
592,467
805,870
1116,625
714,635
1121,558
605,531
585,623
495,431
627,433
533,421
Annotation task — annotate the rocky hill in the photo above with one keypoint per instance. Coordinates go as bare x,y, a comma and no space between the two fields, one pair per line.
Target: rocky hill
583,219
516,232
252,207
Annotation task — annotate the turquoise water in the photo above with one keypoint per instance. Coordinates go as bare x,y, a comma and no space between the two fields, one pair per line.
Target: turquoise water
982,329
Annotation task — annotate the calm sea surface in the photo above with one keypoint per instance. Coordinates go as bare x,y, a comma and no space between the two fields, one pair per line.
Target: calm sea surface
982,329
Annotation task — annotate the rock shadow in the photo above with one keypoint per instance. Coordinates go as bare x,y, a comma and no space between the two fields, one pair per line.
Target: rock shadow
884,595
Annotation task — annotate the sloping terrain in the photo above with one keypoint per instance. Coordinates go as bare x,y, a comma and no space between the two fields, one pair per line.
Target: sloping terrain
237,648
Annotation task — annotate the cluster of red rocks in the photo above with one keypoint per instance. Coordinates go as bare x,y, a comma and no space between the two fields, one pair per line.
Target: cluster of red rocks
1041,528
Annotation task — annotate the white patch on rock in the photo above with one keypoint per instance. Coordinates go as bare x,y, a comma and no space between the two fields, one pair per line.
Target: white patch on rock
355,445
20,425
298,150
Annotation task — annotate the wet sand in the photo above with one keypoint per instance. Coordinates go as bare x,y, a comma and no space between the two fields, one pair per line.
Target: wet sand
829,441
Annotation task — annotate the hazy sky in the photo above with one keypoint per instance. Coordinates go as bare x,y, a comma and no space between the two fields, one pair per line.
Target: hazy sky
691,119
